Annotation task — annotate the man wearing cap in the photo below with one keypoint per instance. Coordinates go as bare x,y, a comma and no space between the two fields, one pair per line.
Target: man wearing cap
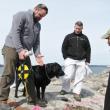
107,95
76,52
24,35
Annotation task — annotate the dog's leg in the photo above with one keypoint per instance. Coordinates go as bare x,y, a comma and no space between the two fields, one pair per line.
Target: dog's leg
18,81
43,94
24,91
38,92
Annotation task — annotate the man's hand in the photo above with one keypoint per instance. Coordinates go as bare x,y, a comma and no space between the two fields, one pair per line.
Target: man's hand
39,59
22,54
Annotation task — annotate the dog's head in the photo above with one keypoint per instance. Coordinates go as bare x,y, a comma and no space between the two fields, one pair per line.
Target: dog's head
54,69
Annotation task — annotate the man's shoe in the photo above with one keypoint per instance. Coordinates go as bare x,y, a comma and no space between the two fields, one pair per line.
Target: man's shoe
77,97
10,102
62,92
3,102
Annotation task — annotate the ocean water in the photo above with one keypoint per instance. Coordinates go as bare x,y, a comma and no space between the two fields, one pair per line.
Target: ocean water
96,69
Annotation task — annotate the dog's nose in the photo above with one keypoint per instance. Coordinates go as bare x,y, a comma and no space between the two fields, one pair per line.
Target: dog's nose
61,73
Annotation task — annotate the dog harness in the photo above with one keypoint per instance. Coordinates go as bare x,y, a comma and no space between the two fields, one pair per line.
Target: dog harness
23,71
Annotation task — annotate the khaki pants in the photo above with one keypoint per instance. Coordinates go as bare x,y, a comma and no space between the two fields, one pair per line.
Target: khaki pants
8,76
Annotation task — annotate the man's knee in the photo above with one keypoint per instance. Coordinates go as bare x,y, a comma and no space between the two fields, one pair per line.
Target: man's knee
67,77
6,80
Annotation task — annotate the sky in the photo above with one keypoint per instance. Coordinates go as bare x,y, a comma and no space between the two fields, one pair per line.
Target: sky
59,22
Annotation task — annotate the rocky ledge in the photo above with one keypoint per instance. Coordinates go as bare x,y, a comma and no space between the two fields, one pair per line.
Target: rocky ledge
92,94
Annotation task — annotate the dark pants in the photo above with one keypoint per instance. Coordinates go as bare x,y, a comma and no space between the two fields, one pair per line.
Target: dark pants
107,96
8,76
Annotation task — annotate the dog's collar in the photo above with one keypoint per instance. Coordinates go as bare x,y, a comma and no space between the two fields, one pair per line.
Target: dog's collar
47,74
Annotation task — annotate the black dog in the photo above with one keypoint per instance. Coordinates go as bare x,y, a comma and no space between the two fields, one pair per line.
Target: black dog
43,75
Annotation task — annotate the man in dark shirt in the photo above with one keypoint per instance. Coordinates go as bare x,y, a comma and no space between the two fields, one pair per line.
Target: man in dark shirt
76,52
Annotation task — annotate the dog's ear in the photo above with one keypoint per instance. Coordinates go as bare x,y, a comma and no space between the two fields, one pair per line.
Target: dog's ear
58,70
56,67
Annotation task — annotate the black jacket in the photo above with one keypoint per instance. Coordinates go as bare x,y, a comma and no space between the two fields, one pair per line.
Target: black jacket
77,47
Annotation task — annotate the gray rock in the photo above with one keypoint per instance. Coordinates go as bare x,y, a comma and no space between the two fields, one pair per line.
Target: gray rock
92,94
104,84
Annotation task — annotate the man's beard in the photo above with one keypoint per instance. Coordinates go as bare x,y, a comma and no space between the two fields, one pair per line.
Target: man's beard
38,18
